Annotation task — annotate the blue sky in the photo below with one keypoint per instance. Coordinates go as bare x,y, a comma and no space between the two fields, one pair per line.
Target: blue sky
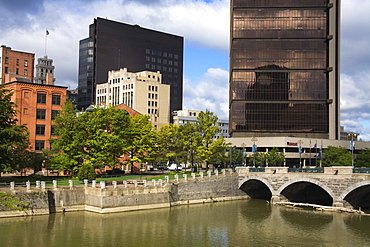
204,24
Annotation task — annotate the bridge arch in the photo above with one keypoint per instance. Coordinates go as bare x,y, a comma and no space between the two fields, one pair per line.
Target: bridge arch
358,195
256,187
307,190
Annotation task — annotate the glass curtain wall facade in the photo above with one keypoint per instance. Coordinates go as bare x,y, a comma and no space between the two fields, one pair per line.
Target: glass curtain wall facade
86,91
279,63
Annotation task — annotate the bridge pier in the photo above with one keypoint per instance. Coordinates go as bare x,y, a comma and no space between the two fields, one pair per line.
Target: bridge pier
278,198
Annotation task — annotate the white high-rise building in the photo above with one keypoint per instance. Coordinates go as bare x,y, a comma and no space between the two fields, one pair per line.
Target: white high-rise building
142,91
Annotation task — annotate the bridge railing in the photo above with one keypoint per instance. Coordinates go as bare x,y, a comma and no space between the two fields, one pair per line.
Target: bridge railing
361,170
256,169
307,170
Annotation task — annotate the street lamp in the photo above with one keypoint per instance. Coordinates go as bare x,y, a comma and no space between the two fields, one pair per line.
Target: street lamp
352,145
243,161
254,150
300,153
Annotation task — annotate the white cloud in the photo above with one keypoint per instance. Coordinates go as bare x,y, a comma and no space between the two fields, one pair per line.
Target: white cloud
211,93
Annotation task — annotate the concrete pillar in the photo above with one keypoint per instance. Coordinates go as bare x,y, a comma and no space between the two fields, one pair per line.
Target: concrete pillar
12,185
223,172
144,183
216,173
125,184
209,174
201,174
70,182
185,177
193,175
93,184
38,184
167,179
43,185
230,171
176,177
160,182
135,183
154,182
114,183
28,185
102,184
86,183
55,184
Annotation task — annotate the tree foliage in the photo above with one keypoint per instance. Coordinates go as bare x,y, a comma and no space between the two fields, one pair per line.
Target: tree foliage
90,138
14,140
363,159
336,156
139,140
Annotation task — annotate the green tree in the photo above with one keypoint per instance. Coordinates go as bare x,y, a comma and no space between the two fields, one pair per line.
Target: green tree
336,156
14,139
274,157
167,143
207,128
139,141
363,159
258,158
94,138
189,141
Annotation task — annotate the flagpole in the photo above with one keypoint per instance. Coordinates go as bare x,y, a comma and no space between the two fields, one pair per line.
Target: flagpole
316,153
46,39
310,152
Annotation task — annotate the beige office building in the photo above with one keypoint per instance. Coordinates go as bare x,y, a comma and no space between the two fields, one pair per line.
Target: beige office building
142,91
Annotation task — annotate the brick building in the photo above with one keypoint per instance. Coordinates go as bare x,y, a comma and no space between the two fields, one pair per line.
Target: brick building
15,64
37,105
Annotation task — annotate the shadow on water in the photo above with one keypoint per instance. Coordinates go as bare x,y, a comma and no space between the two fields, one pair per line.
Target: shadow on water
256,210
306,218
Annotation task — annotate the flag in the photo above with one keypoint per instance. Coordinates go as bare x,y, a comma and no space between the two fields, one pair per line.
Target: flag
47,32
319,155
315,146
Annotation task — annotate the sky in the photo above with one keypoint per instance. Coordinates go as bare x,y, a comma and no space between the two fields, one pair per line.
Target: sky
205,26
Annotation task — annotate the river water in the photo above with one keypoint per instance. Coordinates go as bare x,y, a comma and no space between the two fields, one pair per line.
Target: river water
236,223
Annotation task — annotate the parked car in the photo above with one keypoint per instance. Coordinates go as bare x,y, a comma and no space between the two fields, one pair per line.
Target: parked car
175,167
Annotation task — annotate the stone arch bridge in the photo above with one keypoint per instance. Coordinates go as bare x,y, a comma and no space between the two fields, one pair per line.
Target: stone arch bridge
331,186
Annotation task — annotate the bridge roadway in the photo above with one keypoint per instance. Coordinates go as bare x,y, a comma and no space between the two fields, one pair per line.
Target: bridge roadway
335,186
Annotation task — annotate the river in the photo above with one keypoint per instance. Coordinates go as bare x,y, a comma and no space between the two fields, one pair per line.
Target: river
236,223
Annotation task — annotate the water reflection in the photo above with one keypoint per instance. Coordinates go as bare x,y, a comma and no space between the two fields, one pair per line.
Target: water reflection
314,220
237,223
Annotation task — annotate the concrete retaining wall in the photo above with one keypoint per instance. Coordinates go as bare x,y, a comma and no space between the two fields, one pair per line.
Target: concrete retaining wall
121,199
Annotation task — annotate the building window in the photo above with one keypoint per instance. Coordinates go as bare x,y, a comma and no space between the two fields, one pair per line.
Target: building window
176,56
25,111
25,63
147,51
6,70
17,62
26,94
39,145
52,130
54,114
56,99
25,72
41,114
40,129
6,60
17,71
41,98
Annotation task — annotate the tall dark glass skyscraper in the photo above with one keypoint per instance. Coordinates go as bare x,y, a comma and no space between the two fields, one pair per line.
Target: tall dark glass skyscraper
113,45
284,68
